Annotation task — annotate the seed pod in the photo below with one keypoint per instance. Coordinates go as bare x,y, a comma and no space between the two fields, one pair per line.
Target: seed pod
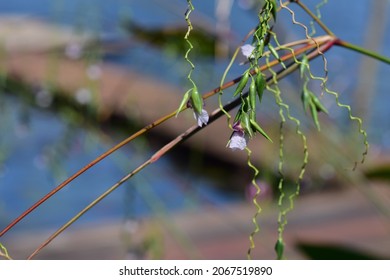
257,127
305,97
318,104
196,100
260,85
279,248
246,124
274,52
252,94
276,55
241,85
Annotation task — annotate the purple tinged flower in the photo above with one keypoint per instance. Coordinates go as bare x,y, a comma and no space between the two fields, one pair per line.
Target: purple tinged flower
247,51
238,140
202,118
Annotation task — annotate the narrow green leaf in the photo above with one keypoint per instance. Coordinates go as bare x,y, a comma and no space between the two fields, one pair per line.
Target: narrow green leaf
318,103
260,85
241,85
257,127
184,101
274,8
238,116
314,114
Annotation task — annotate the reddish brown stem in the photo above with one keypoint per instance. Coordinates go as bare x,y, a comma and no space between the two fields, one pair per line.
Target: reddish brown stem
143,130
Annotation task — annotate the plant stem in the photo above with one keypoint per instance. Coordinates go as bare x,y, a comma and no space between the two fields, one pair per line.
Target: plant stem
182,137
142,131
362,50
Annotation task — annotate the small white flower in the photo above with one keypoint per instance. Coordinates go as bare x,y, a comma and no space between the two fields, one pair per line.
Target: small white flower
237,141
202,118
247,51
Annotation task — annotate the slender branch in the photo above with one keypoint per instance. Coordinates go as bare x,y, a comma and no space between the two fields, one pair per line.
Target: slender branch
188,133
362,50
146,129
85,168
182,137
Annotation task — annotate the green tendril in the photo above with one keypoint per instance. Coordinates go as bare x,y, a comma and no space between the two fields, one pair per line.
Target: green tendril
192,94
282,216
247,111
318,12
353,118
186,38
255,203
319,6
324,80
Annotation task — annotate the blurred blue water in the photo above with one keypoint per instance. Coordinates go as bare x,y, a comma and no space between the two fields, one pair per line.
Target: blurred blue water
29,170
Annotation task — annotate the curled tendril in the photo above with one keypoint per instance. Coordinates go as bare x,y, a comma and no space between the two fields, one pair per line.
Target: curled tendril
255,203
318,12
319,6
186,38
324,86
285,109
260,37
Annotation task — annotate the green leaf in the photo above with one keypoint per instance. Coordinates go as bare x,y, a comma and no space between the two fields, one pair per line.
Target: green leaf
241,85
274,8
238,116
260,85
314,114
184,101
257,127
311,101
318,103
246,124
